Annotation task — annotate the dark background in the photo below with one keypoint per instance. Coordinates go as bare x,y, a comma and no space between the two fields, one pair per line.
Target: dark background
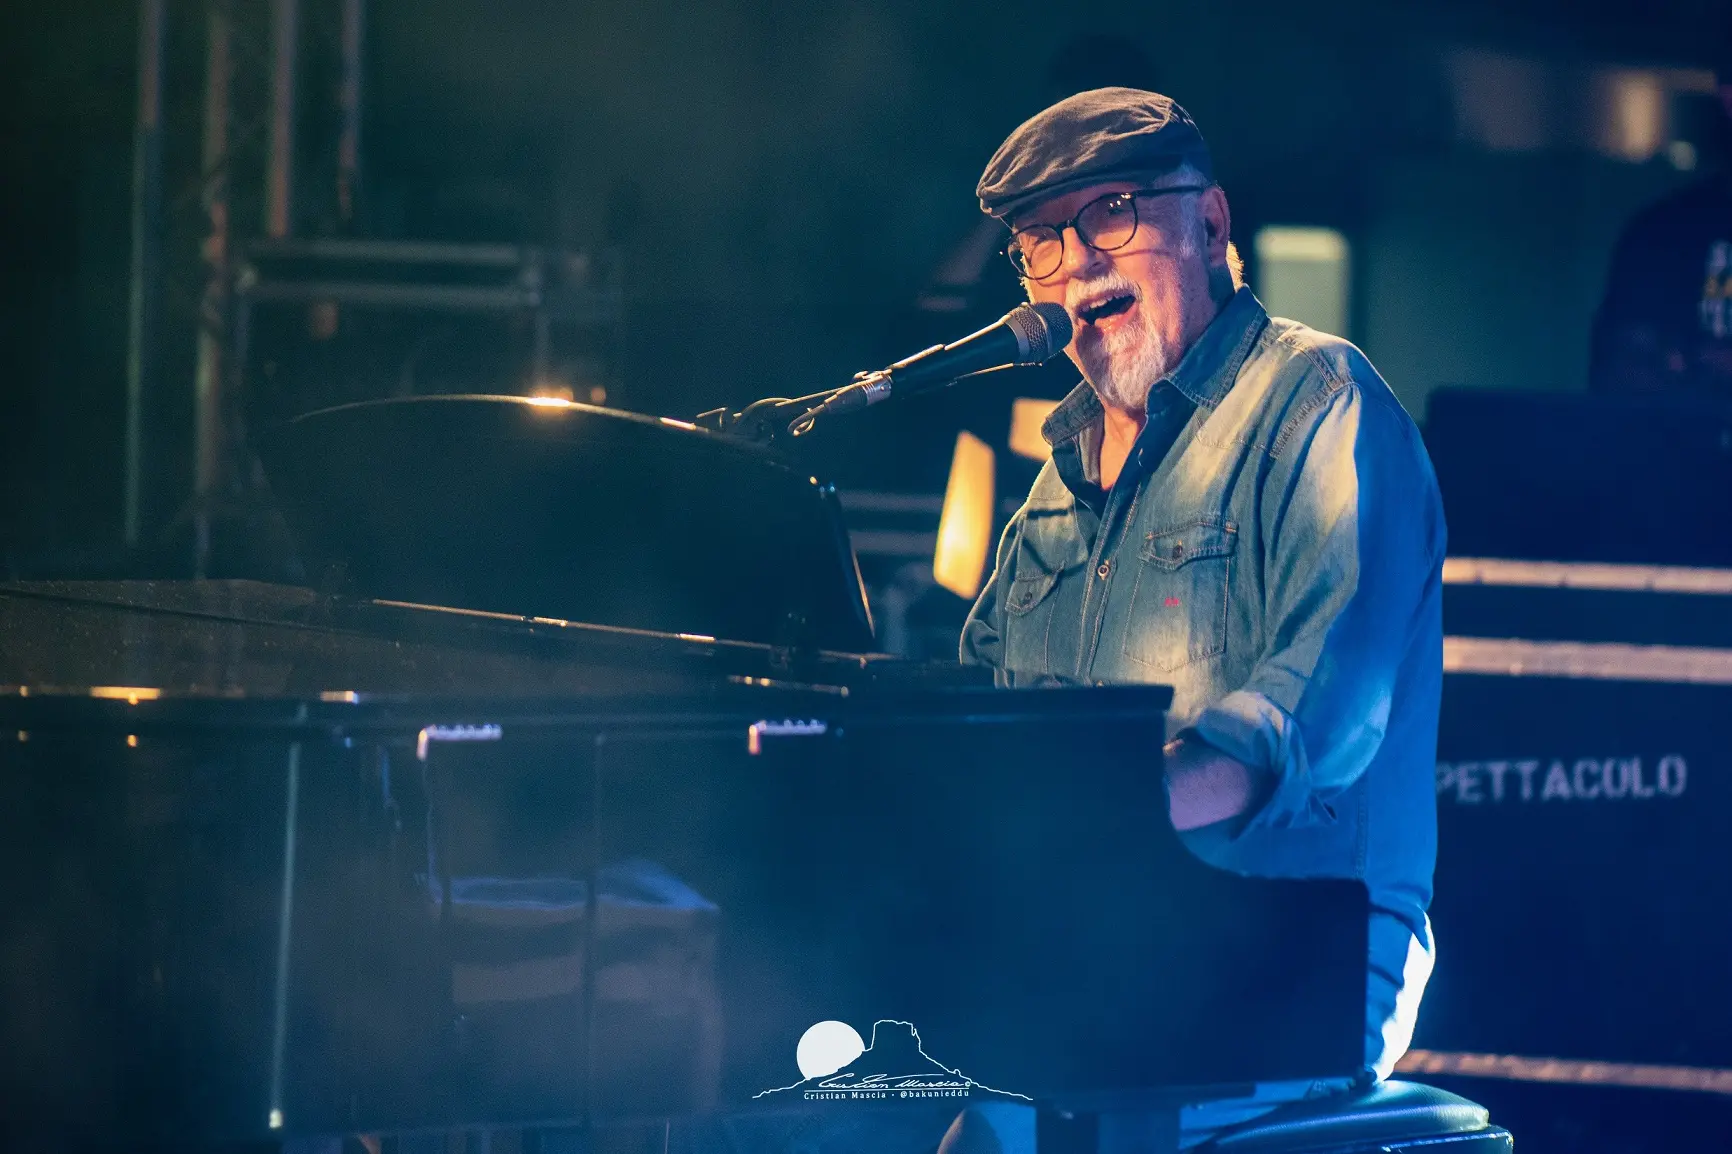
782,179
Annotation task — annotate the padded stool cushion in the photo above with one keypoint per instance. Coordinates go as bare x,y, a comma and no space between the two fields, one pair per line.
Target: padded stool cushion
1387,1112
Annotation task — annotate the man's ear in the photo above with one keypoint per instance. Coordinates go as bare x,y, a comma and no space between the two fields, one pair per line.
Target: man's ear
1217,224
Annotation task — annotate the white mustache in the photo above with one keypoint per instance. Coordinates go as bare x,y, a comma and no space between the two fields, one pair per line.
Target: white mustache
1114,283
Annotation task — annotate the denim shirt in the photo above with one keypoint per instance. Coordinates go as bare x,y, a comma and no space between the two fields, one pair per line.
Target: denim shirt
1273,550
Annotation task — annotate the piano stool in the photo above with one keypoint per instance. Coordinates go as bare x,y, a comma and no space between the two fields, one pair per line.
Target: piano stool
1388,1118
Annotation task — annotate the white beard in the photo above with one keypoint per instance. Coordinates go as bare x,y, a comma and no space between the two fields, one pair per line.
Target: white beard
1125,364
1122,367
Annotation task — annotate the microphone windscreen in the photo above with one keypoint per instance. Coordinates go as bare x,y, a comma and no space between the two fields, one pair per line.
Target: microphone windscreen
1044,330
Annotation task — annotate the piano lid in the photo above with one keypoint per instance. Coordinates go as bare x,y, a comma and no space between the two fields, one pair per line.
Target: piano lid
548,508
236,640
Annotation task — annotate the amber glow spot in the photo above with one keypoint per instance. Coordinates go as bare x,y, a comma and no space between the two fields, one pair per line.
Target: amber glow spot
965,523
1027,415
551,388
1636,105
546,402
132,741
131,694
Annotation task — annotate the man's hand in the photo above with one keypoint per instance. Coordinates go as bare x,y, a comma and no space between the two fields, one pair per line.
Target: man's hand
1205,786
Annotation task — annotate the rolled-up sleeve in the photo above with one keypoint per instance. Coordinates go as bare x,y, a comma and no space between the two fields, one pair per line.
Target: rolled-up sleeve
1353,534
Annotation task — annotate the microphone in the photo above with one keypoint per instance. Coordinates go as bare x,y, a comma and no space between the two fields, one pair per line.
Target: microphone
1030,334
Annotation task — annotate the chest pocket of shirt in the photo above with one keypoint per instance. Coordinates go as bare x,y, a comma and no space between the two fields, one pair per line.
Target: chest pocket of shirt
1179,607
1028,605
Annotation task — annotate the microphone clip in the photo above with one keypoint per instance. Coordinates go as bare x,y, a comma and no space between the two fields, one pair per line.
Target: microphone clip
766,421
865,389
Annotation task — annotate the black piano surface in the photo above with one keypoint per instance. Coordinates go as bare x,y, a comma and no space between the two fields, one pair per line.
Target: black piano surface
539,506
294,862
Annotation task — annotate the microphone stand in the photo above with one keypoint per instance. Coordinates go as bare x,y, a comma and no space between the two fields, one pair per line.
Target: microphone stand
765,422
1038,332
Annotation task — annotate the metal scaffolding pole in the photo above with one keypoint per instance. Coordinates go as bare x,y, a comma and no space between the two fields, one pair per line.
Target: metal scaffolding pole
146,258
280,160
349,100
208,398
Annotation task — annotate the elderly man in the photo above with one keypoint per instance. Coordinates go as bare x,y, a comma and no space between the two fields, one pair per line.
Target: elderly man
1238,507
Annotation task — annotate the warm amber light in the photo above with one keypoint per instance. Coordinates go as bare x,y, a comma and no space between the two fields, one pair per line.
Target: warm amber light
965,525
550,402
131,694
552,389
1027,415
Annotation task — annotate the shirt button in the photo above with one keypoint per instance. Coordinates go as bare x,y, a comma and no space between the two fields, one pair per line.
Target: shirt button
1106,566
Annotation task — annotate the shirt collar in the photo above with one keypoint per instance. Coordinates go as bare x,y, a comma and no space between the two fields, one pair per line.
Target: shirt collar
1203,375
1209,368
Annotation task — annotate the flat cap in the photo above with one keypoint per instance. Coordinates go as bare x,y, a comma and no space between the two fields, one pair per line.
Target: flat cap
1100,135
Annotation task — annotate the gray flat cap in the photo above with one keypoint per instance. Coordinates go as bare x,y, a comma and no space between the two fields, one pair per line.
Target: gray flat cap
1092,137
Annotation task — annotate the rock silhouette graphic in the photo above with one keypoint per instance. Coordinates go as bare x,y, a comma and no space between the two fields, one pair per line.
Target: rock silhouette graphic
894,1060
894,1050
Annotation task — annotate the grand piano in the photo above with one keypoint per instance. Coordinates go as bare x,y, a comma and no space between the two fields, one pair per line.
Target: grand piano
566,789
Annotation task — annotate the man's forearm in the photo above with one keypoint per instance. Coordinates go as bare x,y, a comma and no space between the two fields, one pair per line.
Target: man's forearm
1205,786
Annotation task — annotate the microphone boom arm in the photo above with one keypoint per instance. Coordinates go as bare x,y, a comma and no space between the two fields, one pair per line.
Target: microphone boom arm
1029,334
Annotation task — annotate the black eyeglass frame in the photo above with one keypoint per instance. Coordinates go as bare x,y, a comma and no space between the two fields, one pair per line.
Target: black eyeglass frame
1012,250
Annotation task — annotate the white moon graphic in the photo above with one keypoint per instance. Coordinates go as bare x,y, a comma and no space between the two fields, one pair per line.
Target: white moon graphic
826,1048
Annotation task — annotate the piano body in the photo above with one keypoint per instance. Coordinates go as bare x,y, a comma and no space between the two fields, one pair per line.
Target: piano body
569,791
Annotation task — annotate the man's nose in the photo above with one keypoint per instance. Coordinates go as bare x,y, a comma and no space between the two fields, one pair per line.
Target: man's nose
1079,259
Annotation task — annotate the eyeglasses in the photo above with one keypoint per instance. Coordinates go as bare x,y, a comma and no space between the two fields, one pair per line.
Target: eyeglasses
1104,224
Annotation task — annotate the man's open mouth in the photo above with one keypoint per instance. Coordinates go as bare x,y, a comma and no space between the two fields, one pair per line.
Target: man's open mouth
1111,307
